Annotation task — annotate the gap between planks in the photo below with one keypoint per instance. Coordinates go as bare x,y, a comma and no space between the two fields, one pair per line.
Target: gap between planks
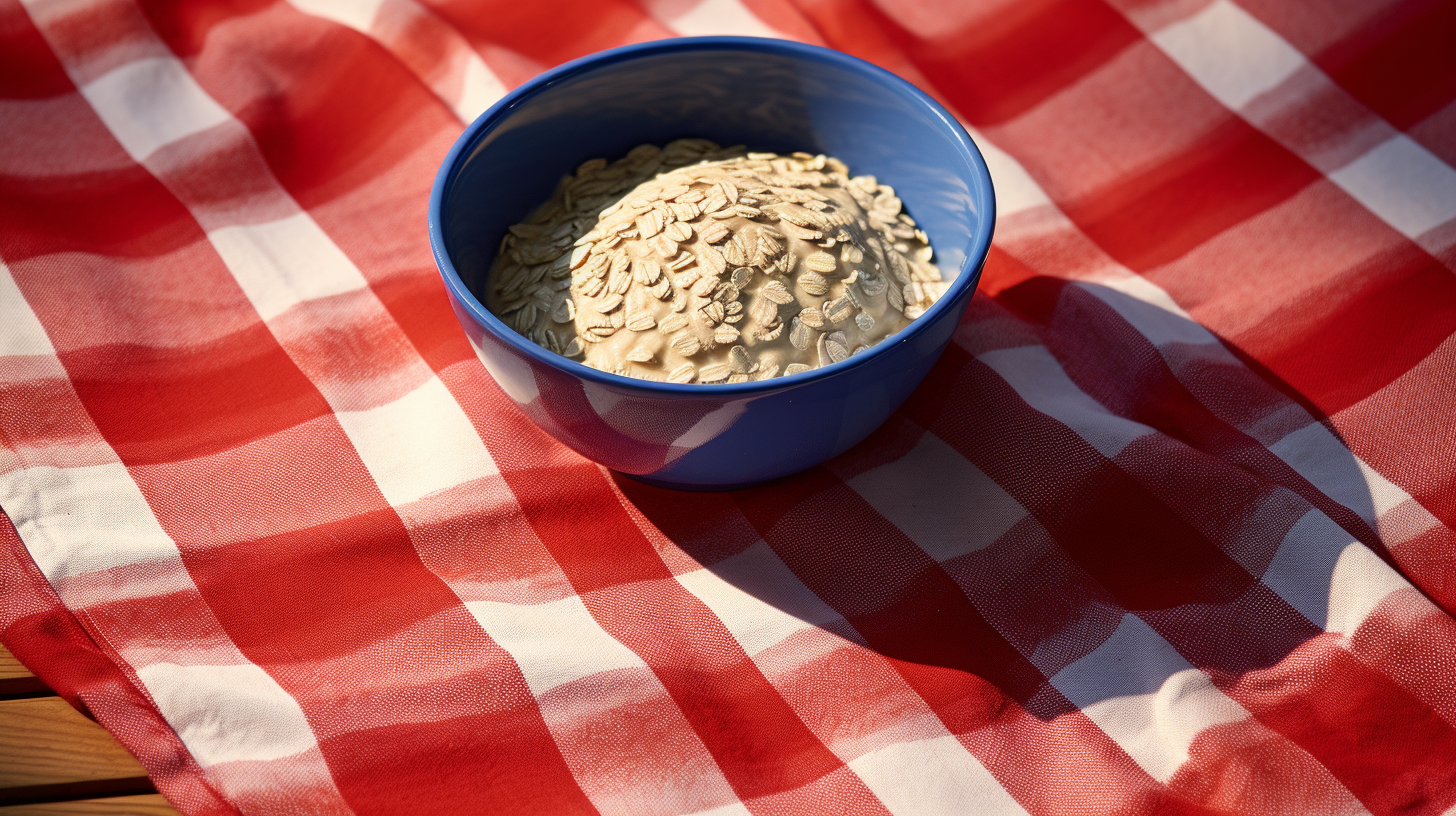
151,804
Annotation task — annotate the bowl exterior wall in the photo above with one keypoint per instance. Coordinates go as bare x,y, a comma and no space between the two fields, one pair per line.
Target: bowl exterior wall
707,441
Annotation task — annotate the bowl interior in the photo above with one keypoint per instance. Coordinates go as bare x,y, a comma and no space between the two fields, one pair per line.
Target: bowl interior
762,94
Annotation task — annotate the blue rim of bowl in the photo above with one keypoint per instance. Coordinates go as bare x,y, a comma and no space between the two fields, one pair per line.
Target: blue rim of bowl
483,124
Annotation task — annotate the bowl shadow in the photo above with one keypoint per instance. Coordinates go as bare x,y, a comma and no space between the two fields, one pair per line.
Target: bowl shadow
992,553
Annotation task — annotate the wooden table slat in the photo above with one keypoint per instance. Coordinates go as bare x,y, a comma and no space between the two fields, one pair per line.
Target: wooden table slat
16,679
43,741
146,805
10,668
55,761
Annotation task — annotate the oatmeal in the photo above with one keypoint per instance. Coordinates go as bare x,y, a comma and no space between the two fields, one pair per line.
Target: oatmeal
699,264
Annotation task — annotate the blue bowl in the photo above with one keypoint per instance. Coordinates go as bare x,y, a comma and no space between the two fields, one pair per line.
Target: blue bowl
769,95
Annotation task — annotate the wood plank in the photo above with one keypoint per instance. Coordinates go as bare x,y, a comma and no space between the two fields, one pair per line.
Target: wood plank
43,741
10,668
16,679
53,760
147,805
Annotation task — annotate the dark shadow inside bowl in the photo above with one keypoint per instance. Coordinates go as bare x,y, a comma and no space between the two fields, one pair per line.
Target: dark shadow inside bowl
738,93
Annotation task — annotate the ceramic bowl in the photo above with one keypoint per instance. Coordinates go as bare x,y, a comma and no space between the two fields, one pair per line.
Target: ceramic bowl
769,95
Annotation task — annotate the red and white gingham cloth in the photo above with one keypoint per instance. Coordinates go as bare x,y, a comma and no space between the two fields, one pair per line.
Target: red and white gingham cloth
1169,528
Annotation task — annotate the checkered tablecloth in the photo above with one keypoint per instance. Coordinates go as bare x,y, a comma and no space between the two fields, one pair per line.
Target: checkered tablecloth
1168,529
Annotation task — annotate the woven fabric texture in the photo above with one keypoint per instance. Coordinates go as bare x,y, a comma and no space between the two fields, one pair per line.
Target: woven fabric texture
1168,529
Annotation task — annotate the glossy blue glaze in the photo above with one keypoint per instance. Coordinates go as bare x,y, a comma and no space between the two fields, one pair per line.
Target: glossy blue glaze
769,95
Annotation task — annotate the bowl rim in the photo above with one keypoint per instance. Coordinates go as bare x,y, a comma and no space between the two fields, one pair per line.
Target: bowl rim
967,277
